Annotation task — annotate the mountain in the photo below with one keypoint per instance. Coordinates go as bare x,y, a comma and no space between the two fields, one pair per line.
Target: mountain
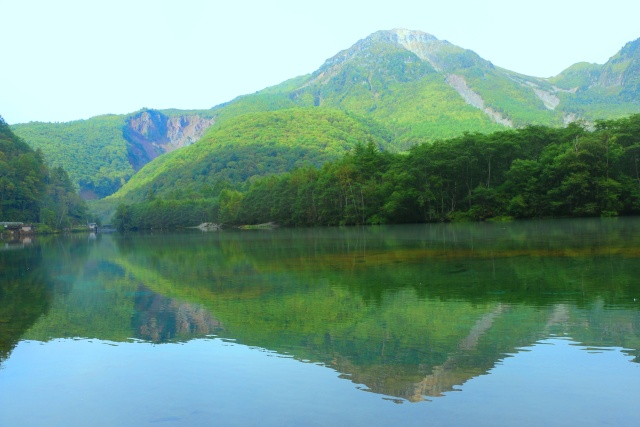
394,77
250,146
412,85
593,91
103,152
423,88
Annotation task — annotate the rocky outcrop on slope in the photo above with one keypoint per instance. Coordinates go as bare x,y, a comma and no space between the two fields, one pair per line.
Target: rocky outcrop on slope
151,133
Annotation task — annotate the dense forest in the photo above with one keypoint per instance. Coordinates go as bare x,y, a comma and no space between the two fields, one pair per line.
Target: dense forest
533,172
30,191
94,152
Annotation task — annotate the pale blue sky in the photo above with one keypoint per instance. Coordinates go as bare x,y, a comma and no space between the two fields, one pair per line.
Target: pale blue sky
67,60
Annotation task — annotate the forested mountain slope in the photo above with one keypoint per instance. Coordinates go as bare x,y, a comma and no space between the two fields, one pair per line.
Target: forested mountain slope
592,91
533,172
252,146
423,88
417,87
103,152
30,191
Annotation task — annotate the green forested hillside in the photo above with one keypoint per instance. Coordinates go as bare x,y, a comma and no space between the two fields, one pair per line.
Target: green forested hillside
251,146
392,85
93,151
423,89
579,76
22,178
611,90
103,152
532,172
30,191
380,78
529,173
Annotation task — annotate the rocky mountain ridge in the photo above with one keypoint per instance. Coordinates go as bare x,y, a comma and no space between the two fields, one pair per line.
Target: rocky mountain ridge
507,98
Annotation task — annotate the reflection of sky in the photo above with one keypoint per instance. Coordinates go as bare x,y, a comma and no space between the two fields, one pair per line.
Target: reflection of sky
213,382
554,382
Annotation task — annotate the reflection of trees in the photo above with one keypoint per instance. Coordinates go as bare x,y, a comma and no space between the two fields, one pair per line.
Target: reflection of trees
32,271
24,295
527,262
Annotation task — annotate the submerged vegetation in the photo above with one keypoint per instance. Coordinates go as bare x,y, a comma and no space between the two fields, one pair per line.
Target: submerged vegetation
533,172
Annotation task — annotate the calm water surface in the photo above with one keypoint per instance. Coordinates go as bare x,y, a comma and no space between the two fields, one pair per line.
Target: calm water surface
526,323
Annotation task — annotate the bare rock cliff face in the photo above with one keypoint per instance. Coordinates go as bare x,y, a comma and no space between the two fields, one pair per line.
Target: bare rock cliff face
151,133
185,130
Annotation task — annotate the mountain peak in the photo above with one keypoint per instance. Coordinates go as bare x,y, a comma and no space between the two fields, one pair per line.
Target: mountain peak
421,43
425,46
404,36
631,49
622,72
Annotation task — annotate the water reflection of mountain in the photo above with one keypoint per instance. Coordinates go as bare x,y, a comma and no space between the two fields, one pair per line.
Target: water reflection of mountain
161,319
474,355
407,311
99,299
23,295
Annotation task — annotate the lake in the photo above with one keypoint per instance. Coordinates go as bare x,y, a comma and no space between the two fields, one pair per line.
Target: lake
522,323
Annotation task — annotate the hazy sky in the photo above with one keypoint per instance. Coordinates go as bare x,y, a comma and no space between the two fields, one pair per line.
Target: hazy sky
67,60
